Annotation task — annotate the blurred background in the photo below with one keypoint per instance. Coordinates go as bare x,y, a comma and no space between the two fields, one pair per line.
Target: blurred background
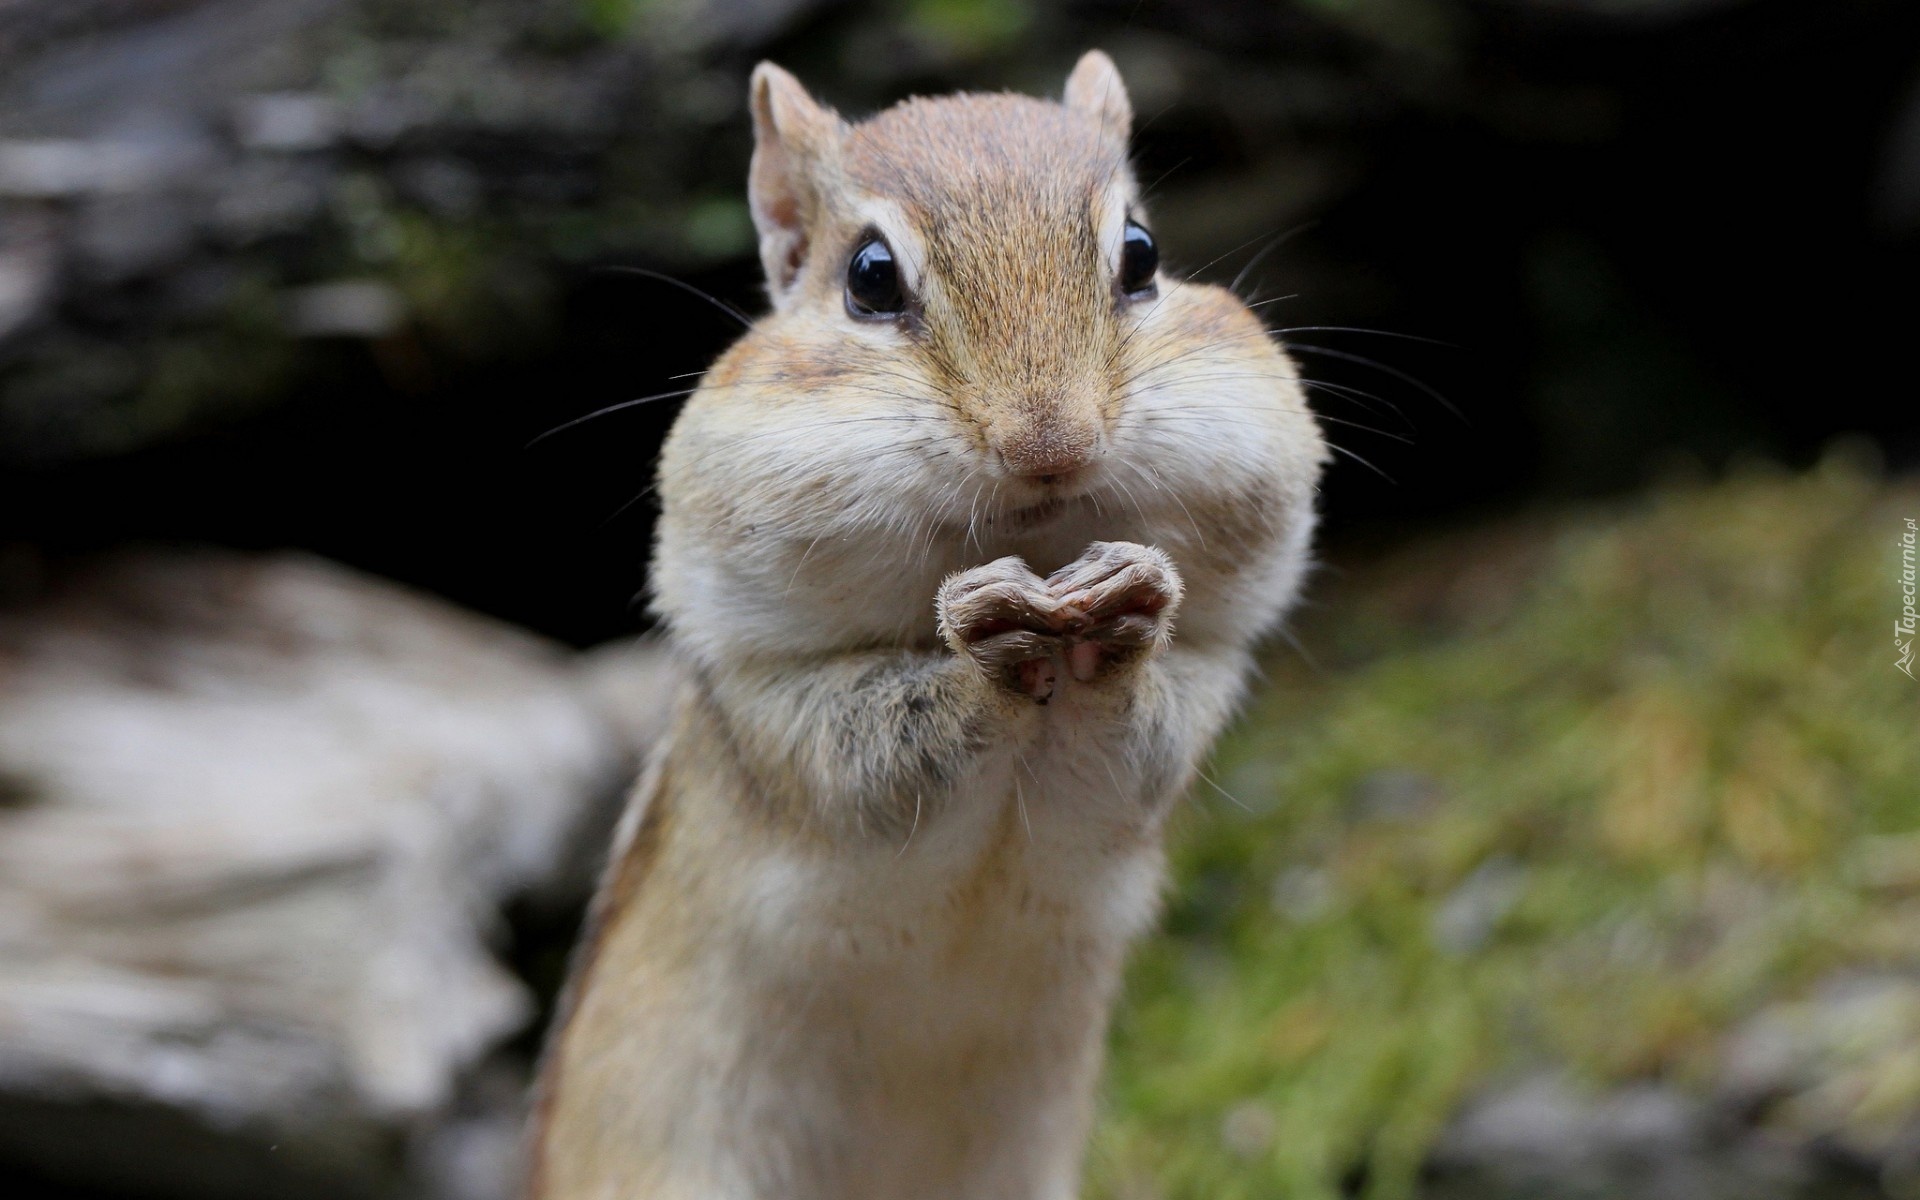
1572,849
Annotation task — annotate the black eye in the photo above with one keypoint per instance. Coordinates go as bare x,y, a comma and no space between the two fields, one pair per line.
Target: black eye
873,281
1139,259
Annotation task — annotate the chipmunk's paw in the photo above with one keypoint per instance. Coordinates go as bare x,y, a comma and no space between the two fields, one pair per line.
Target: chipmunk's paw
1118,600
1004,618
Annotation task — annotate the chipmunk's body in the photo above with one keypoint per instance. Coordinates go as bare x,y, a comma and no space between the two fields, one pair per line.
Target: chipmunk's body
925,532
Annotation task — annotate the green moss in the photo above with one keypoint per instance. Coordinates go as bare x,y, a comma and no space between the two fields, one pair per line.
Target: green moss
615,18
1582,793
969,26
191,376
468,289
1420,27
719,227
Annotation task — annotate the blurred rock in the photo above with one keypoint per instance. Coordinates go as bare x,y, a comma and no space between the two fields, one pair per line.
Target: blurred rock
120,238
58,169
1395,795
1468,917
1544,1136
28,272
286,121
257,820
474,1153
1249,1128
1303,894
441,185
1840,1066
1549,1118
258,199
289,143
628,679
362,308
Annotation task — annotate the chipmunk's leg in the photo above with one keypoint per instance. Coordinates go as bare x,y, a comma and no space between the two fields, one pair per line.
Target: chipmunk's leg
1006,621
1119,599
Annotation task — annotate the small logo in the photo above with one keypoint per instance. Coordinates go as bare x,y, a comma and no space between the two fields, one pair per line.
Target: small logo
1903,627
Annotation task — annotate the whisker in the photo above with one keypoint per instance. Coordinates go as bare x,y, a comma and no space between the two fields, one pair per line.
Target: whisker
1126,339
1260,304
1341,391
1269,248
615,515
799,566
1237,802
1164,414
1205,348
1163,176
772,376
746,322
1402,376
1175,497
1019,795
1405,337
912,829
1138,508
1292,639
611,408
1363,462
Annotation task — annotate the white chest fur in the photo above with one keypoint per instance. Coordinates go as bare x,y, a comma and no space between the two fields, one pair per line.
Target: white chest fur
945,997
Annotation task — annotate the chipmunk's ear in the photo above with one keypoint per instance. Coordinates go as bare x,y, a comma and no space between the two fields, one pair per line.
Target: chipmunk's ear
792,134
1095,89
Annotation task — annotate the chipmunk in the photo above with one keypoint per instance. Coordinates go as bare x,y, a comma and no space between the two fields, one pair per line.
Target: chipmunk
963,547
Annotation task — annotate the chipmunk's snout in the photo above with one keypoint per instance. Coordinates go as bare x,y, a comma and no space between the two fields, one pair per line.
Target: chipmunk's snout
1046,438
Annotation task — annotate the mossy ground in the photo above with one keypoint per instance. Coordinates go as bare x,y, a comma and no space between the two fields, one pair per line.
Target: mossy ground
1579,792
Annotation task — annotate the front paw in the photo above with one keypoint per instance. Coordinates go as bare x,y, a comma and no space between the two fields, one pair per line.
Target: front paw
1005,619
1119,600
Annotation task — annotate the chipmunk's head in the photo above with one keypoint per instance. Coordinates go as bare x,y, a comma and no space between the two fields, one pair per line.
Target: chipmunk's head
996,240
973,350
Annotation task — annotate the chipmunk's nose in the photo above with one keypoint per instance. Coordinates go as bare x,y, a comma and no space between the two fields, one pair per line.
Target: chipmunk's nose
1045,442
1046,457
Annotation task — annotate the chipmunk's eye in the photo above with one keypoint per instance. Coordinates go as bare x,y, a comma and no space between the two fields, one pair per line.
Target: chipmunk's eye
1139,260
873,281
